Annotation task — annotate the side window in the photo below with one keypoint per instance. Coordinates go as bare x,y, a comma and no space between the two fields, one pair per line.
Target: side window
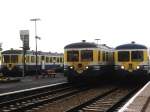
27,59
47,59
103,54
32,59
60,59
51,60
43,58
99,55
54,59
57,59
107,56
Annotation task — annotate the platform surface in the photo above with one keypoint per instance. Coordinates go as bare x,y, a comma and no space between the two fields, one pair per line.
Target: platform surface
28,82
140,102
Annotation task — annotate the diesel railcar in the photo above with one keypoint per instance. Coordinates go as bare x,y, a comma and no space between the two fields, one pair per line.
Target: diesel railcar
132,60
12,62
86,60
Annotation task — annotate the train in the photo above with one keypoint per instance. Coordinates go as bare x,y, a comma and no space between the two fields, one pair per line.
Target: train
87,60
12,63
132,60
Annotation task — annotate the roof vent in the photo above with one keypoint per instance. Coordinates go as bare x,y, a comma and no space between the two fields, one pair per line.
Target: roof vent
133,42
83,40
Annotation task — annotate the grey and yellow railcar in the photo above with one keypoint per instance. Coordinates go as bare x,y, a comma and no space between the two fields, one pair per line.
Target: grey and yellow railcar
86,60
12,62
131,60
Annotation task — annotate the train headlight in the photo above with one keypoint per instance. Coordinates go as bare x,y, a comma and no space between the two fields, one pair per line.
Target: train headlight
122,67
138,67
86,67
71,67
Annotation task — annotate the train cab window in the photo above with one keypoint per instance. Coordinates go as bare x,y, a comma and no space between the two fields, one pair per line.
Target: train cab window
14,58
123,56
6,58
87,55
137,55
72,55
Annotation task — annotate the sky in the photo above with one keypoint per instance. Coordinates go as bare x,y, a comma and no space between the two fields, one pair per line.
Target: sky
114,22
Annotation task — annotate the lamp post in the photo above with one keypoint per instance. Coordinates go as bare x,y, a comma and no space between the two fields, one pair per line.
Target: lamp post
36,37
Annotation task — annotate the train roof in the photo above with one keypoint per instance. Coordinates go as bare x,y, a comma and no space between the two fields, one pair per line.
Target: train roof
132,45
31,52
81,45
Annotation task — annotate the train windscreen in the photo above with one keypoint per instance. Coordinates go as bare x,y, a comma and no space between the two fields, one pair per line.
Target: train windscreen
137,56
6,58
72,56
86,55
14,58
123,56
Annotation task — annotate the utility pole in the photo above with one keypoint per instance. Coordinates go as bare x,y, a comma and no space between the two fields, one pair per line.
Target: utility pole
36,37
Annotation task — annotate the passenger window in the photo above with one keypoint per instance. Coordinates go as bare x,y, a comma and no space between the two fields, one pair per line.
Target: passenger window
50,59
104,57
47,59
32,59
99,55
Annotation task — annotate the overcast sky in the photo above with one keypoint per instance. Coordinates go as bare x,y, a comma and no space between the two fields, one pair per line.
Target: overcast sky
62,22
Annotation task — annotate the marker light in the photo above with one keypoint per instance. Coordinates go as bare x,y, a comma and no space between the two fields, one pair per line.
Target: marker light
122,67
138,67
71,67
86,67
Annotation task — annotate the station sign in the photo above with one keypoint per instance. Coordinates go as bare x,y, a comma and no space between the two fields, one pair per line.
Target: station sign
24,36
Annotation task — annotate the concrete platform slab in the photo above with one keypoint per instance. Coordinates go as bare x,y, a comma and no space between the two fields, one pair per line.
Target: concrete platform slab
140,102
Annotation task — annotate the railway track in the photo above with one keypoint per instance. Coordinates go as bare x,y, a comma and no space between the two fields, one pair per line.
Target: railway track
70,99
106,98
16,101
107,102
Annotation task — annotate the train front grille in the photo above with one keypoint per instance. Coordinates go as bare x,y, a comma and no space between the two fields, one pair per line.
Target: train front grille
130,67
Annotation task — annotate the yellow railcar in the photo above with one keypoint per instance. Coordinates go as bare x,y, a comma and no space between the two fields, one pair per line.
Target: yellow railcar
131,60
86,60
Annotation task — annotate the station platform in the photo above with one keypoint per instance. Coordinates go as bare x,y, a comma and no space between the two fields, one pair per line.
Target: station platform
28,82
140,102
